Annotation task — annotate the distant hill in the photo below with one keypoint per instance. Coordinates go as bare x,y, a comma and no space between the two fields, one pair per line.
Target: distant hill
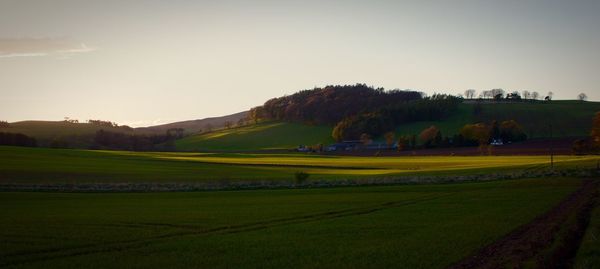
195,126
261,136
77,135
80,135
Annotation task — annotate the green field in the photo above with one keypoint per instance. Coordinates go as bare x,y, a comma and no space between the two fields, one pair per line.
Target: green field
588,255
37,165
266,135
422,226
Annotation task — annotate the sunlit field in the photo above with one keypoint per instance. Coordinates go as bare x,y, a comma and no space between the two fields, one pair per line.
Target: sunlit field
32,165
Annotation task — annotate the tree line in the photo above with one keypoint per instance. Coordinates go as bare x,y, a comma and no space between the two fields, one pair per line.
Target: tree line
16,139
477,134
136,142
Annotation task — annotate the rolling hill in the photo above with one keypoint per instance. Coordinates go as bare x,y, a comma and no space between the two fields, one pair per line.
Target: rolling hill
78,135
568,118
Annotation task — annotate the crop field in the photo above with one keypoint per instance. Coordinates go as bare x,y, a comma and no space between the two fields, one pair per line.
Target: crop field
410,226
36,165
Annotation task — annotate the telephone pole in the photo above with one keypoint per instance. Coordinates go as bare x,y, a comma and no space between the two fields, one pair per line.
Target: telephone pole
551,149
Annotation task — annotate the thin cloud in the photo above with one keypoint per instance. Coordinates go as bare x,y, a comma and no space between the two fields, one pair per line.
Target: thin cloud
36,47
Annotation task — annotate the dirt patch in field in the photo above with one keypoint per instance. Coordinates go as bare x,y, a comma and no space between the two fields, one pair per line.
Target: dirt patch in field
549,241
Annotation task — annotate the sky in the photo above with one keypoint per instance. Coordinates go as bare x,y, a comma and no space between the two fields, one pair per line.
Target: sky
148,62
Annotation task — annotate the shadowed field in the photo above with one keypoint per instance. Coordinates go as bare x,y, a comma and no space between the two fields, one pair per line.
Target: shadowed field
424,226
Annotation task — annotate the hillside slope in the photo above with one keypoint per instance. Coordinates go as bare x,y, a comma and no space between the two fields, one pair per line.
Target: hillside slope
261,136
568,118
195,126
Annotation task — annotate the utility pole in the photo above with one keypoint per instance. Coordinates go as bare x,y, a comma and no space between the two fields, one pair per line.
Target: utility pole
551,149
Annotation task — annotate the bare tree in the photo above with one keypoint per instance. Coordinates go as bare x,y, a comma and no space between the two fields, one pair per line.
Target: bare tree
470,93
549,96
487,94
535,95
582,97
497,93
526,94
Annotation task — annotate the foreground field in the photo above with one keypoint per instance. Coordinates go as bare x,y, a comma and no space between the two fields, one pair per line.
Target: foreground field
424,226
36,165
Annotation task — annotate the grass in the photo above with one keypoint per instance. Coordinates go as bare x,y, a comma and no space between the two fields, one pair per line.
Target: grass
588,255
422,226
266,135
38,165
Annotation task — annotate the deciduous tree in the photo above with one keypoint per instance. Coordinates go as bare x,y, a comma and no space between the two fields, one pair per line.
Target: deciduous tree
428,136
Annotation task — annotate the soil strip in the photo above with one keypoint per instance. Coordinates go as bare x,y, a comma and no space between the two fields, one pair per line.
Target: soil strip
549,241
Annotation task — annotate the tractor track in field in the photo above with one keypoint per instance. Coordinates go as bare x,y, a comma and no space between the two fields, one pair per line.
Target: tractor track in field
549,241
190,230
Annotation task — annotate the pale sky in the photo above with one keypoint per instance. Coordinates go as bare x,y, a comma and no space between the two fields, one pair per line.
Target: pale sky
147,62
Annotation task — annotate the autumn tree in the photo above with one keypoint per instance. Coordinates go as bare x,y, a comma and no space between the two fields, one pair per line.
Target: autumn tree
478,133
428,136
403,143
389,138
